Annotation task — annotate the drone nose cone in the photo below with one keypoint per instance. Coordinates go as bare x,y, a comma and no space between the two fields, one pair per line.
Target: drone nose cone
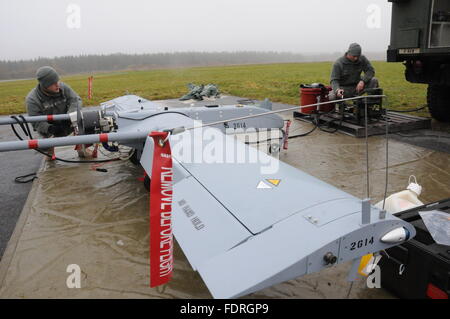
396,235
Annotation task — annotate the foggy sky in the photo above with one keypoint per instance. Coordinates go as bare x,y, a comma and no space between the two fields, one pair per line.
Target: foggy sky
29,29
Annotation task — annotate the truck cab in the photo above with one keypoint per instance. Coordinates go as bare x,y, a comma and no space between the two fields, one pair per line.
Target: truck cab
420,37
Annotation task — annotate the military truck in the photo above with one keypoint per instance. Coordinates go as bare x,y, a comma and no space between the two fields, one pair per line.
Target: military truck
420,37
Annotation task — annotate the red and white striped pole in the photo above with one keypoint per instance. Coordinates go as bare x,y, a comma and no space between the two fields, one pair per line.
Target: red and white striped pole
90,79
72,140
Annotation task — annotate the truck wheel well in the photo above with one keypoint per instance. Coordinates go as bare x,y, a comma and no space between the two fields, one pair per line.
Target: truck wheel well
438,100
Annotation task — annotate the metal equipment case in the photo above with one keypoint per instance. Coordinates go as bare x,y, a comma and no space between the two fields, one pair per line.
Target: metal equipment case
425,264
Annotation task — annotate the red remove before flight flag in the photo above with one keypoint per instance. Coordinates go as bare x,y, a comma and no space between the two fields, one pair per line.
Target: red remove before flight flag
161,238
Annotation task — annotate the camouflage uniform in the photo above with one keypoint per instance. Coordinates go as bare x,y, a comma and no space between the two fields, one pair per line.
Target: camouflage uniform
40,102
346,74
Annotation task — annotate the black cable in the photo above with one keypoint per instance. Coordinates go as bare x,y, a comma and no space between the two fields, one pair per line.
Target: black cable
321,127
22,180
141,119
303,134
341,119
109,148
27,126
329,123
315,121
265,141
20,124
268,140
15,132
417,135
408,111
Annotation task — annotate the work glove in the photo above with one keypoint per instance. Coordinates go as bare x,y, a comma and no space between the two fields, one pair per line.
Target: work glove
57,130
54,129
51,129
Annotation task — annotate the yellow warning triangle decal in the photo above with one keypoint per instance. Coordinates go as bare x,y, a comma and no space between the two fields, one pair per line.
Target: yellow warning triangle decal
363,264
274,182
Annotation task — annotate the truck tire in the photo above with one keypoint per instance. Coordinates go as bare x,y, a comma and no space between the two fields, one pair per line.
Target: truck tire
438,99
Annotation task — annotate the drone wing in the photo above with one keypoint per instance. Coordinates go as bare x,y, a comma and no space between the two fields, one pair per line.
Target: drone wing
246,220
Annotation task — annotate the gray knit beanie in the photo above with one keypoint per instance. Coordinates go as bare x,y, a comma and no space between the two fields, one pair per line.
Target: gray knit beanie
354,49
47,76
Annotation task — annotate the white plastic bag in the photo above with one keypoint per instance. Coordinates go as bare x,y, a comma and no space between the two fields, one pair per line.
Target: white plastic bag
438,224
403,200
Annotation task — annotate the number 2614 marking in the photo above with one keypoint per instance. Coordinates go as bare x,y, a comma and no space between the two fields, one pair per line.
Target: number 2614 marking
361,243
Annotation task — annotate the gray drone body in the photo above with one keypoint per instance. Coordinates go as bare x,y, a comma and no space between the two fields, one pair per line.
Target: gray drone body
243,223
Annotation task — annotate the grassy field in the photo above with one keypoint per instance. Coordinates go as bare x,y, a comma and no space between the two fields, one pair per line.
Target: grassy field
278,82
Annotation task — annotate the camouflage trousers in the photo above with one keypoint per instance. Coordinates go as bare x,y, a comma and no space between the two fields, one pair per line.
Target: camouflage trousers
350,91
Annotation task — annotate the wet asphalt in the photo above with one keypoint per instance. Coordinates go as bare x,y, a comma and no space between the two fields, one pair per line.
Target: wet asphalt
13,195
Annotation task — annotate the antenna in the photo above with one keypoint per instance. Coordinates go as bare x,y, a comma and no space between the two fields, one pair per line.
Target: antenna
365,209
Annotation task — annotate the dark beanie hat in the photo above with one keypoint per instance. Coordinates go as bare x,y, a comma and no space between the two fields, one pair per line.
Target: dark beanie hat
47,76
354,49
